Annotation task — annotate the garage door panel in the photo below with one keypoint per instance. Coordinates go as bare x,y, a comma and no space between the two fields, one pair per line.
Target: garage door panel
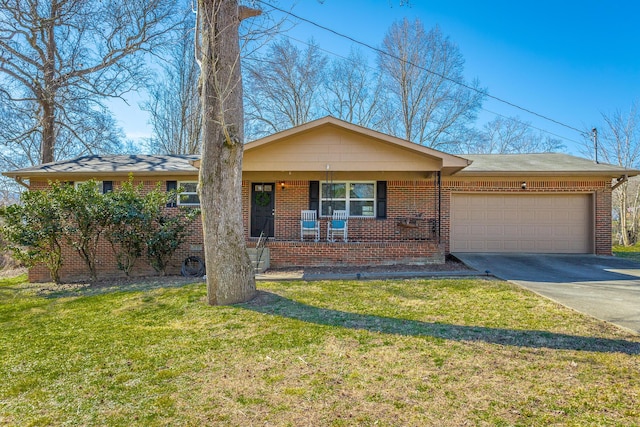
478,230
527,245
544,232
564,216
562,231
512,230
477,215
521,223
511,245
494,246
495,216
495,230
476,246
526,231
511,215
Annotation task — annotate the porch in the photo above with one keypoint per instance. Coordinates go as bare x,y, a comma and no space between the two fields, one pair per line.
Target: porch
371,241
401,225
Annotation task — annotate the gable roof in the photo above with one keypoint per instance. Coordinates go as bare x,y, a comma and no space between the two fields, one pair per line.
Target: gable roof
343,146
339,144
105,166
540,164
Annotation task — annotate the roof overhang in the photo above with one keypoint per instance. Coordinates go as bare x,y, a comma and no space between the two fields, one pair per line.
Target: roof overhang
540,165
98,167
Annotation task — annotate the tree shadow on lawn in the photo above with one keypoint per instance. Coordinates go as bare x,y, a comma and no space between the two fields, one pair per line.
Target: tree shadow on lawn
270,303
108,286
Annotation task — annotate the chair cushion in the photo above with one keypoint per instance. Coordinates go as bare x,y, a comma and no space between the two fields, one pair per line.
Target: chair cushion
308,224
337,223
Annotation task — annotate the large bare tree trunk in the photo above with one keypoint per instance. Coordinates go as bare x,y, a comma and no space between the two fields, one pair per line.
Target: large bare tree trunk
48,92
230,277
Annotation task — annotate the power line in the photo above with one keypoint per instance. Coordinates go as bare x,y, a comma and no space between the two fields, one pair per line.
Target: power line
527,124
533,127
442,76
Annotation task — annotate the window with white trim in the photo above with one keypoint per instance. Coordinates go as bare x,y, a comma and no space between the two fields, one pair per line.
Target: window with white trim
357,198
102,188
188,193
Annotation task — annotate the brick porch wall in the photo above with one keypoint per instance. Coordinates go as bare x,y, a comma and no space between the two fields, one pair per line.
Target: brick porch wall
599,188
312,254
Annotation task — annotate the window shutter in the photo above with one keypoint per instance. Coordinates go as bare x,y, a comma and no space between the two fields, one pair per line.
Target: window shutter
107,187
381,199
172,186
314,195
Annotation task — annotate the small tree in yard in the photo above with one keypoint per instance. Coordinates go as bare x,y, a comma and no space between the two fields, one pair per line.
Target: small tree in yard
34,230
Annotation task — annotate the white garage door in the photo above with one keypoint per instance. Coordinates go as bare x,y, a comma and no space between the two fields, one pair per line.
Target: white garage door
521,223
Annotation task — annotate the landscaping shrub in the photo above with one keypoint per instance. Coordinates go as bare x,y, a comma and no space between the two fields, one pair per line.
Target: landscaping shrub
132,221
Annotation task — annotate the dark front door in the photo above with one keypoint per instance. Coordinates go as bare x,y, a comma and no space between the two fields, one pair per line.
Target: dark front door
262,208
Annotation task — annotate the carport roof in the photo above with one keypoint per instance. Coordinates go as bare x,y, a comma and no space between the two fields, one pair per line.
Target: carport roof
544,164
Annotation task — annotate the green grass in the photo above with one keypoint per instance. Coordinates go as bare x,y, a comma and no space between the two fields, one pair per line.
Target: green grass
629,252
415,352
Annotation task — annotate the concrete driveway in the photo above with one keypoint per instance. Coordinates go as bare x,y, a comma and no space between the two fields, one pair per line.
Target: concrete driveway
607,288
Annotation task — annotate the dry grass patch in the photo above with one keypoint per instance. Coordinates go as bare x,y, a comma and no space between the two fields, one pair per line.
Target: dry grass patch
415,352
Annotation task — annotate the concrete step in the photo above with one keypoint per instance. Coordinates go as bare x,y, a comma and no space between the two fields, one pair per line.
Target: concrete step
264,259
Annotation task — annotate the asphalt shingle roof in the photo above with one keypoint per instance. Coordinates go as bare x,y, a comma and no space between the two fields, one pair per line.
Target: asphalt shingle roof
483,164
536,163
116,165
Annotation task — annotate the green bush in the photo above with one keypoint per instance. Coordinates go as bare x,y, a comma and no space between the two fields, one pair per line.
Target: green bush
85,213
34,230
166,235
139,221
133,222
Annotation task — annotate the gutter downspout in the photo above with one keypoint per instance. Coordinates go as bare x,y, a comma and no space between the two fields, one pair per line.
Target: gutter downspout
20,181
621,180
439,177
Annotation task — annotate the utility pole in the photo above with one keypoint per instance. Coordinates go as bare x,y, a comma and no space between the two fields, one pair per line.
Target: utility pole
595,143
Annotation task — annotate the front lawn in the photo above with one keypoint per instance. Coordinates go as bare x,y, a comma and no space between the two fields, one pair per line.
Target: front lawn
629,252
344,353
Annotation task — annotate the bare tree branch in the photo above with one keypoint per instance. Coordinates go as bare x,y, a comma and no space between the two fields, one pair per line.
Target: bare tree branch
60,52
420,70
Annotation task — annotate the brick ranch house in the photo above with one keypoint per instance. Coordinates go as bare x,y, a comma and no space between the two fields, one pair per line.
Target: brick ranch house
406,203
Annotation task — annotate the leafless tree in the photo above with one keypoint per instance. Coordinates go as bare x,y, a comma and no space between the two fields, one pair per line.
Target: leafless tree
352,92
174,101
60,58
619,144
429,101
510,135
284,87
230,276
20,142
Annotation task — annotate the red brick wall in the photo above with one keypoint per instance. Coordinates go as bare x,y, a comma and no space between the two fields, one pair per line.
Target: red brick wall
603,221
295,254
405,199
74,269
371,240
599,188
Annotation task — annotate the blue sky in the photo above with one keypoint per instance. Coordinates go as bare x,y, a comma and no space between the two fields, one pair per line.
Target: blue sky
568,60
